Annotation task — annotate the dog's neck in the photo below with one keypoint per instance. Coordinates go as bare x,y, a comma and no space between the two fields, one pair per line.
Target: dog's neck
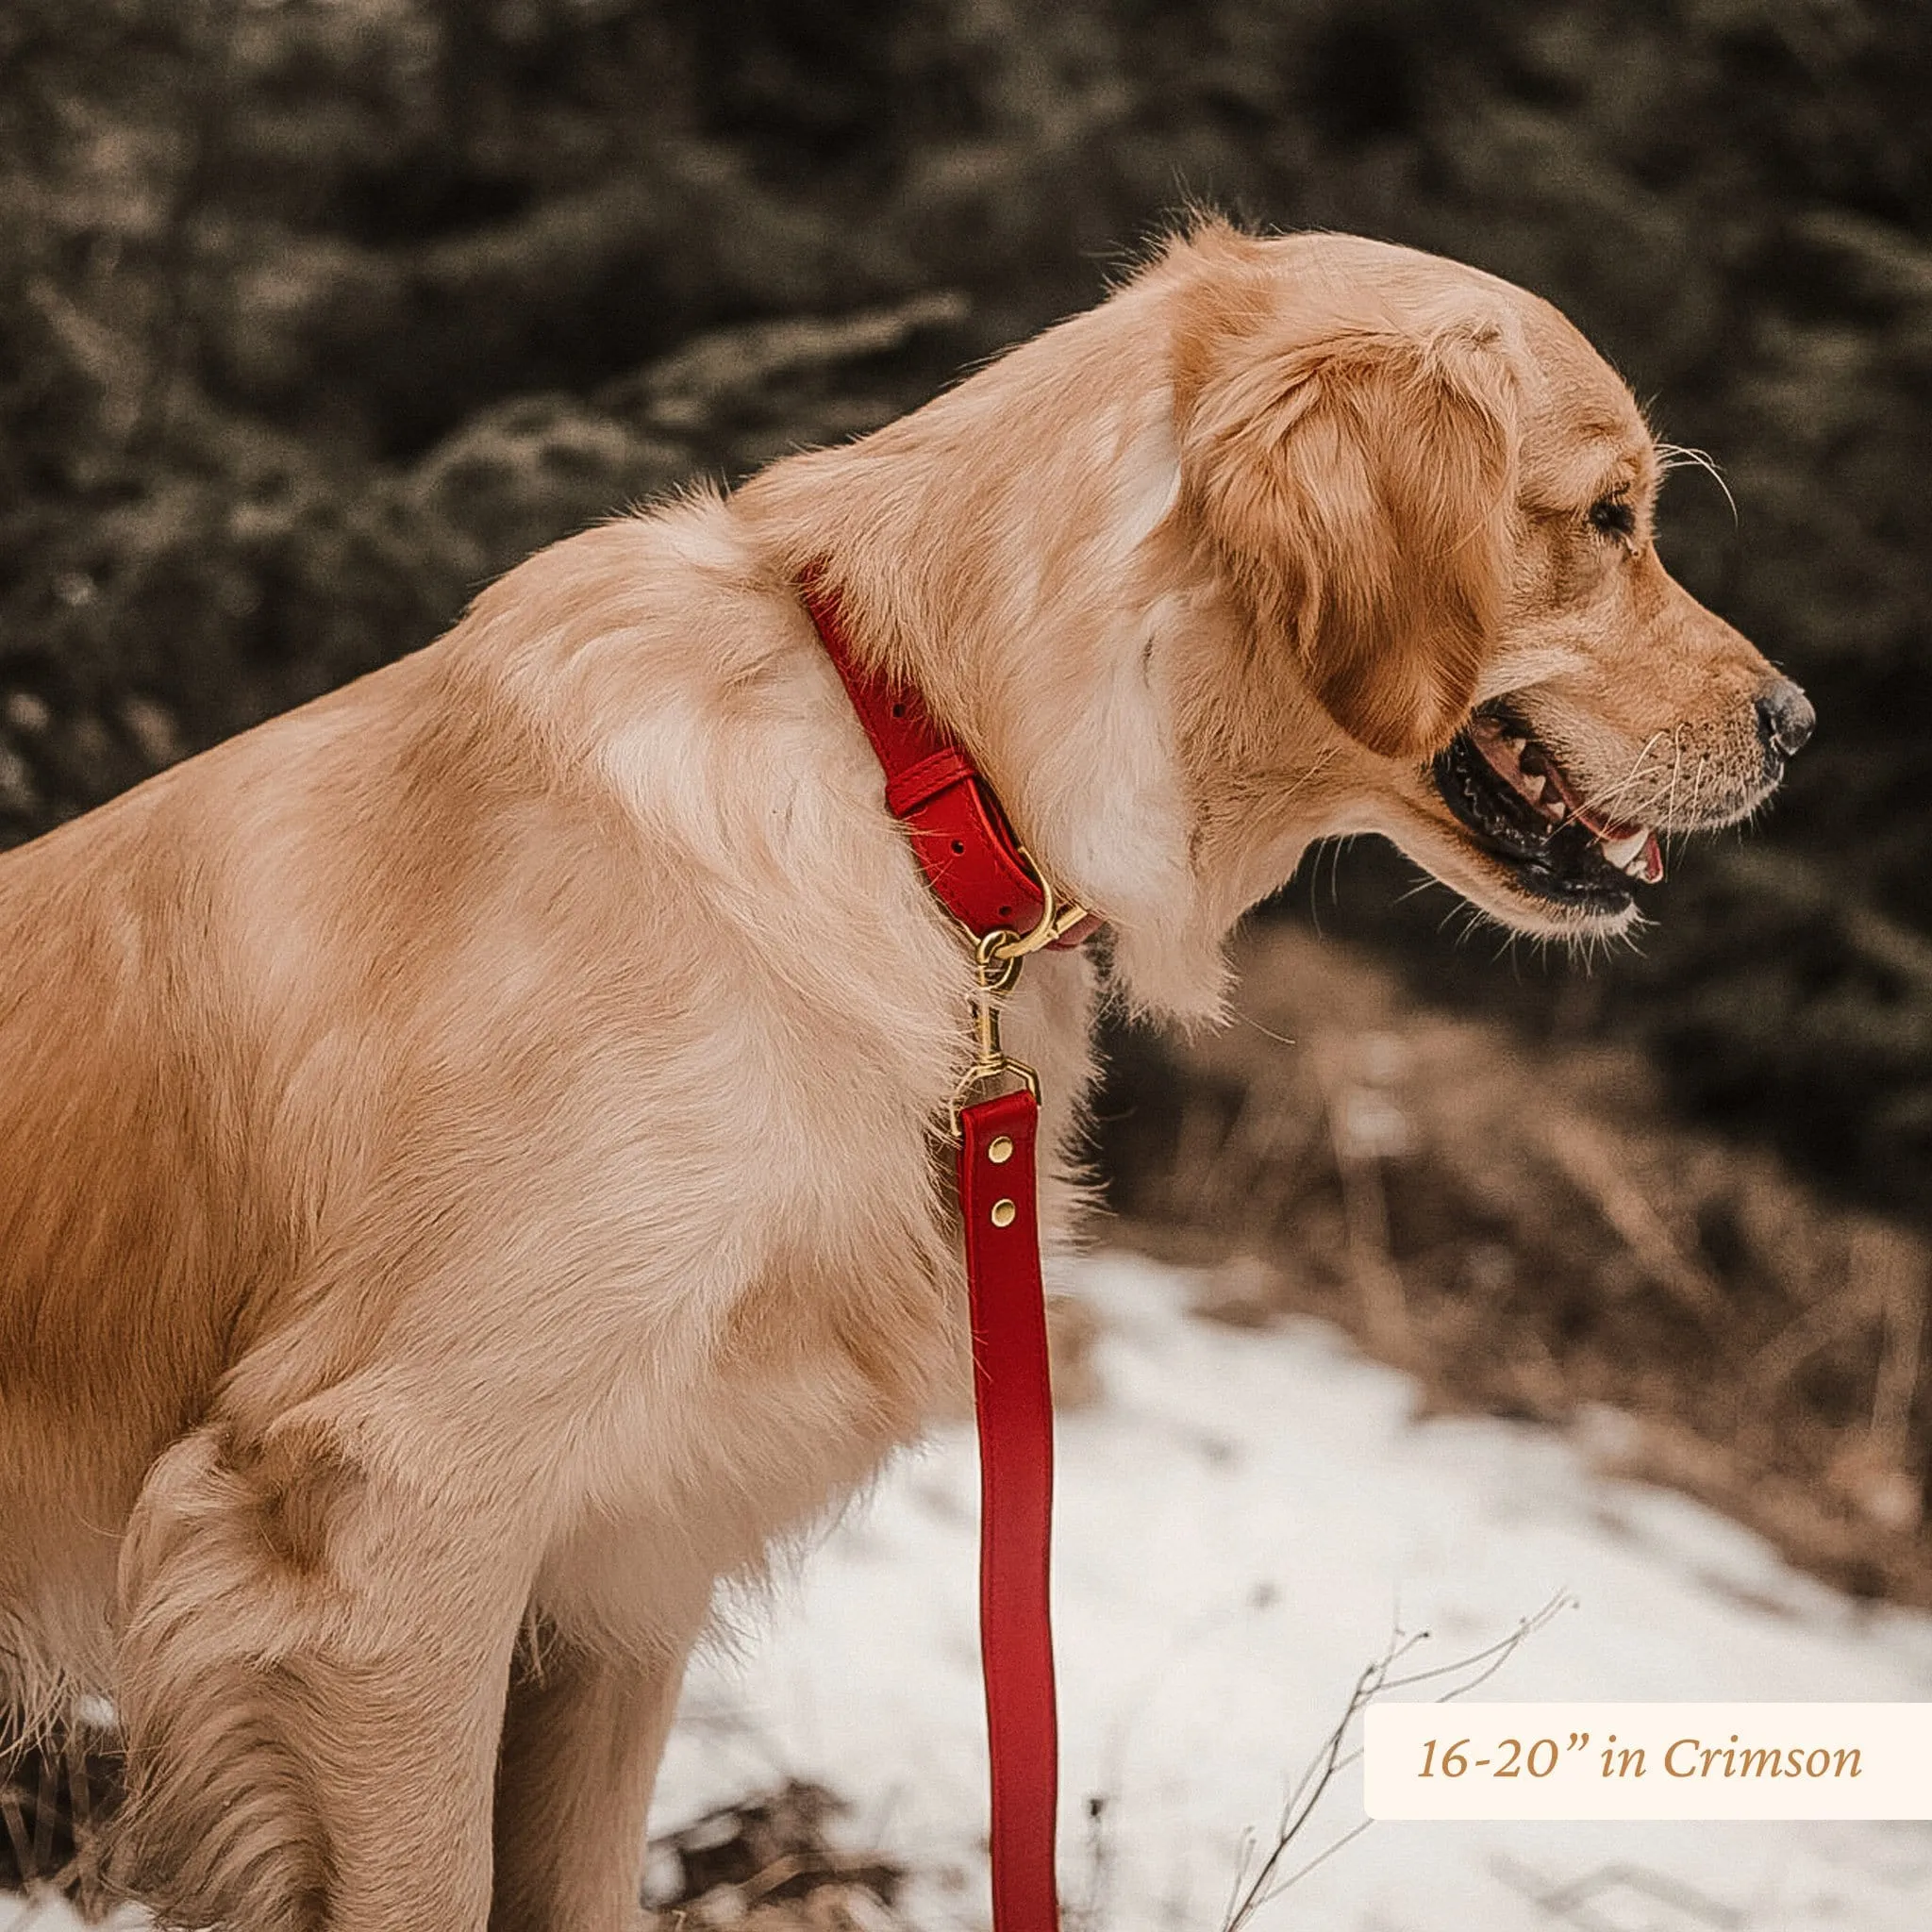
1044,608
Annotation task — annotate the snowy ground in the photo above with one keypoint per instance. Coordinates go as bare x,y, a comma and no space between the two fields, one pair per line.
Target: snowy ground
1241,1520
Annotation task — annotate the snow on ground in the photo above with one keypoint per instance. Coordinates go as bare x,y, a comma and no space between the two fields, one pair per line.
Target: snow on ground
1241,1522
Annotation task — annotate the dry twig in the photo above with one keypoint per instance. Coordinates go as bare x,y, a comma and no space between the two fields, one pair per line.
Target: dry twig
1378,1679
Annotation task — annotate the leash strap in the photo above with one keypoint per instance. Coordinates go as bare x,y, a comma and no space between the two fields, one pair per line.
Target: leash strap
1012,1399
979,872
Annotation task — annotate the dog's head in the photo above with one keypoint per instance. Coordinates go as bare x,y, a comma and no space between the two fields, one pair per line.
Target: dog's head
1429,505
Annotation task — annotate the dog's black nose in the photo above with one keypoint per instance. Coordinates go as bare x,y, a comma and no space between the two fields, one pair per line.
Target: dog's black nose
1785,717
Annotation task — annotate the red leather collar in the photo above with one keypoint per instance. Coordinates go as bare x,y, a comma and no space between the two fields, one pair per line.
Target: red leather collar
961,834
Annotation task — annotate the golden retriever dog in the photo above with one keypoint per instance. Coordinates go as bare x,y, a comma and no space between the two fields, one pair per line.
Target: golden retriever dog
472,1167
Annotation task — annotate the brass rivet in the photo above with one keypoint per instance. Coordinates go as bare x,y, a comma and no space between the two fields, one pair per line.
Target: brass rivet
1003,1213
999,1150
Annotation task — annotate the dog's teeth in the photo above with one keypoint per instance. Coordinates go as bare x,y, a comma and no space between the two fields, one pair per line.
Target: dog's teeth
1533,783
1623,853
1556,809
1515,744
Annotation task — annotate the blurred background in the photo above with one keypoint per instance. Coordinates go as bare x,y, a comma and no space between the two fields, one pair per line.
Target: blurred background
314,314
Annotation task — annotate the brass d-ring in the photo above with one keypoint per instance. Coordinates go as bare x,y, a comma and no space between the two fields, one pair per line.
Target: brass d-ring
1054,919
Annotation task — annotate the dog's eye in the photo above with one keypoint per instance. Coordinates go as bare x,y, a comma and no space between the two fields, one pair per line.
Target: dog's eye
1613,516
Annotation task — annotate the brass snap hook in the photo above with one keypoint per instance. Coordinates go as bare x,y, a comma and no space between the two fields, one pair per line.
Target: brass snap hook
997,958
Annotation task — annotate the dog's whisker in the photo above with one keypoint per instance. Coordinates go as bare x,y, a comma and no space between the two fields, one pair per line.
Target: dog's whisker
1677,456
1610,794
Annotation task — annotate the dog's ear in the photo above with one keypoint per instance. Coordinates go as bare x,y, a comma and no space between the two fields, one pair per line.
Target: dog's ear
1357,491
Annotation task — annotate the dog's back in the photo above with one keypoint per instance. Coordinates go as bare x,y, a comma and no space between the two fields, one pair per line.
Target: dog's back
194,982
134,1233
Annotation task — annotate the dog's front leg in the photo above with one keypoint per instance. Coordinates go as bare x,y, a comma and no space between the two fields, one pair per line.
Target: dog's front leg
581,1739
312,1675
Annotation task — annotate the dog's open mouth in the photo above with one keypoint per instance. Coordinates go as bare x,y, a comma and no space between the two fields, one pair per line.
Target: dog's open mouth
1527,814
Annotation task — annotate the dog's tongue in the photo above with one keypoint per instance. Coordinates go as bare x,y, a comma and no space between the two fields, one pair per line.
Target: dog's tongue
1624,846
1649,854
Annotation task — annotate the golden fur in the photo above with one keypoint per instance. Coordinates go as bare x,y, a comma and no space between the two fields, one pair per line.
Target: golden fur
468,1174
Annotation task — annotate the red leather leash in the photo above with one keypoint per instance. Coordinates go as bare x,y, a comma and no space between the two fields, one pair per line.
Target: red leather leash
980,874
1012,1399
